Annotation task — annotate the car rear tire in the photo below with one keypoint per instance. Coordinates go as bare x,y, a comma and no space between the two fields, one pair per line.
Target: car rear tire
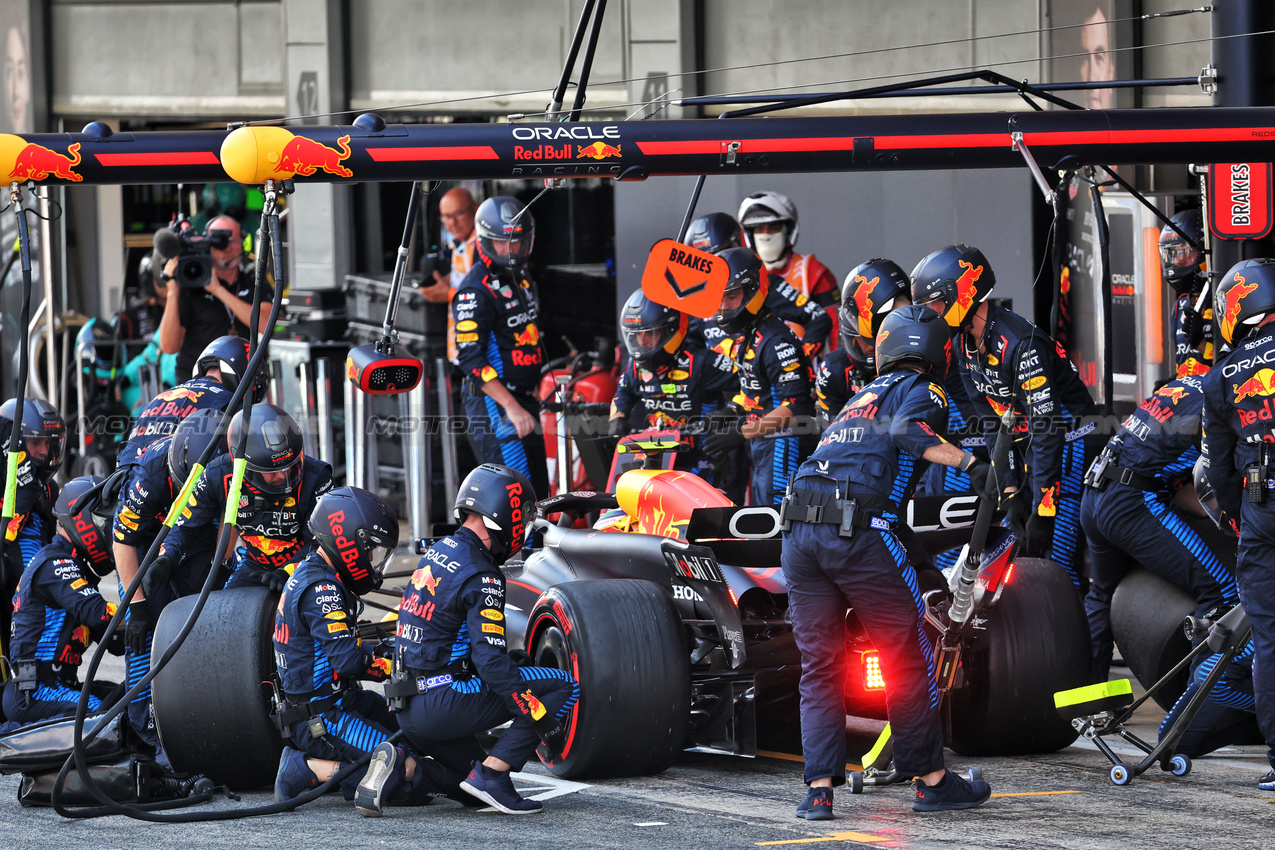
1036,643
211,706
1146,621
625,644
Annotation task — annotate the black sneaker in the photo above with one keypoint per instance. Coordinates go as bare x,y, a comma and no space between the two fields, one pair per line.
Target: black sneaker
1267,782
495,788
818,804
952,792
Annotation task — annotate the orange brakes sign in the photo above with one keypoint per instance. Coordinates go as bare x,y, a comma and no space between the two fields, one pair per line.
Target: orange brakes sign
685,278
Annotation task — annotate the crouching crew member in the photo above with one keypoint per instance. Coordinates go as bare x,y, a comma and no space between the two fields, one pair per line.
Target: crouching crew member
1237,434
327,720
1128,516
41,445
454,670
776,383
1007,362
668,384
154,481
280,488
498,342
57,613
840,551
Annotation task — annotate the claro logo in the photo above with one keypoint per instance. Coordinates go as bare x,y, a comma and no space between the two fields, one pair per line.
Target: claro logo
579,132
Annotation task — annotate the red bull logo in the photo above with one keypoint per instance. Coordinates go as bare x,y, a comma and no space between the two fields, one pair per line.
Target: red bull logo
179,392
1262,383
863,299
600,150
36,162
965,286
534,706
267,545
424,579
1232,312
303,157
1048,501
529,335
1174,394
748,402
864,398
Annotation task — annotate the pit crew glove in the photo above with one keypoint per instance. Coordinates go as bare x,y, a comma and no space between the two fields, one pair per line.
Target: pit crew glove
725,439
1192,326
157,575
141,624
380,669
1038,536
982,481
274,579
521,658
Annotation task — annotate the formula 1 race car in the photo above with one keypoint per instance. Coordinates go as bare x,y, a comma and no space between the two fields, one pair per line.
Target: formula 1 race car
671,613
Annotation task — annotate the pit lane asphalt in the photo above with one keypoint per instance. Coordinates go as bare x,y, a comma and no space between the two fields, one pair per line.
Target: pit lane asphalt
710,801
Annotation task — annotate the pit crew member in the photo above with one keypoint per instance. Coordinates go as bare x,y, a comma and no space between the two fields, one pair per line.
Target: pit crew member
280,488
770,225
840,551
1007,362
1186,272
326,719
776,383
1237,421
1128,516
456,208
498,341
668,384
58,613
454,672
41,446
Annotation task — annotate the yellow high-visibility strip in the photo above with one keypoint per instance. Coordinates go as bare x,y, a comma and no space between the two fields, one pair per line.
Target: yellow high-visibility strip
232,498
183,498
882,740
10,486
1090,693
771,754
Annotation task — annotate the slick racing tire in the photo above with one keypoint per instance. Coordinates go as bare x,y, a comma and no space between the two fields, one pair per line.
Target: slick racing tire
1146,621
625,644
211,704
1036,643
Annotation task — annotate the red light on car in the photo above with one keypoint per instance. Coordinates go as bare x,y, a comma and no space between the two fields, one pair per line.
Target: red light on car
733,598
872,678
1009,571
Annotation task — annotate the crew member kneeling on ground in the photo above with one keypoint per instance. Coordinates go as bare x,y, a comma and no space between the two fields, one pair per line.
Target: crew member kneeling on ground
498,342
840,552
57,613
454,669
667,383
1237,427
327,720
1129,518
280,488
776,383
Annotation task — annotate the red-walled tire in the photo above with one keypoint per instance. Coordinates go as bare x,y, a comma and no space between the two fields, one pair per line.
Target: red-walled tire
625,644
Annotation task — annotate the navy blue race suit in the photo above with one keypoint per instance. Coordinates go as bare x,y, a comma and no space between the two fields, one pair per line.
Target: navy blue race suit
57,613
1020,367
774,372
451,644
1226,716
320,663
167,410
497,339
871,453
1183,350
1238,417
145,499
273,535
677,394
31,528
782,300
1133,523
836,380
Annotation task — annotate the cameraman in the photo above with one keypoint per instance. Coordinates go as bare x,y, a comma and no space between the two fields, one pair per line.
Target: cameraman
195,316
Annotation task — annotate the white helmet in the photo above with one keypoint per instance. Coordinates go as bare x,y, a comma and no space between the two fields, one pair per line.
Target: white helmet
764,208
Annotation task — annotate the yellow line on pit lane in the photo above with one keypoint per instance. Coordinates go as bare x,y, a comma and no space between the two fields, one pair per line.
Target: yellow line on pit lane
771,754
1036,794
859,837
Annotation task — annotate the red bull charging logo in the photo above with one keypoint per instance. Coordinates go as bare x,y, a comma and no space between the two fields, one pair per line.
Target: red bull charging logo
303,157
965,288
1262,383
599,150
863,300
36,162
1232,312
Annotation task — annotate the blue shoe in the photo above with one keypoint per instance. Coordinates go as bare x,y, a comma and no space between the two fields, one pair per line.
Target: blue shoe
495,788
953,792
294,777
1267,782
818,805
384,773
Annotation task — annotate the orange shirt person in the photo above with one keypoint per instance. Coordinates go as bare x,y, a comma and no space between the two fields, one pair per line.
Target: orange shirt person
456,208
